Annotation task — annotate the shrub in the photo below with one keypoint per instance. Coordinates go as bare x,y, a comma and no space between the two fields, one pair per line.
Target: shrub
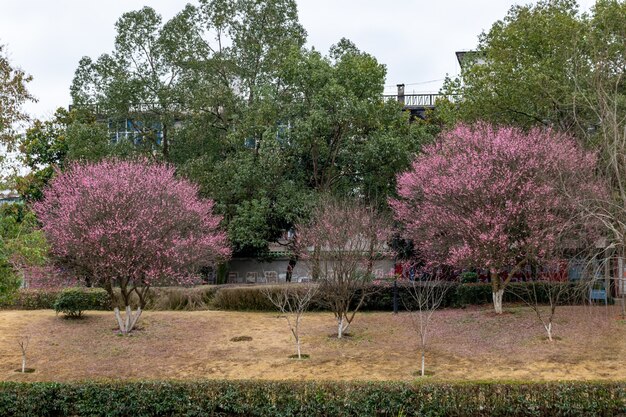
469,277
242,299
181,298
381,299
175,298
251,298
33,299
473,294
380,296
73,301
286,399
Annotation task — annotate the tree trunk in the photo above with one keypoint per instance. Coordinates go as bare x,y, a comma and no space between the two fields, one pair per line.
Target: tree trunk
548,328
315,273
23,363
497,300
165,144
497,291
127,323
340,327
423,362
298,349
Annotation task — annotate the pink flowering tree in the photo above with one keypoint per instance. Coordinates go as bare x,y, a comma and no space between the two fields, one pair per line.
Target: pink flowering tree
129,225
340,245
495,198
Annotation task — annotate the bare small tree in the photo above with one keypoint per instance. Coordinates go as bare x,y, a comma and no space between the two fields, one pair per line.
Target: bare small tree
23,342
545,288
426,296
292,301
340,246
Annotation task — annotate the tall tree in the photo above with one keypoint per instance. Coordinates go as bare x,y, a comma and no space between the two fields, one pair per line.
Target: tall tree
129,225
521,73
601,89
22,245
346,138
48,144
13,95
135,87
549,65
495,198
264,123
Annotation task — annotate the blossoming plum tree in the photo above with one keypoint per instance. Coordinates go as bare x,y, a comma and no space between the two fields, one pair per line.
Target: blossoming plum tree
495,198
129,225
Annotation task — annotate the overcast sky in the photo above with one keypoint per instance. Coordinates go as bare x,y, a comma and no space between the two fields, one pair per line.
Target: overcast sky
416,39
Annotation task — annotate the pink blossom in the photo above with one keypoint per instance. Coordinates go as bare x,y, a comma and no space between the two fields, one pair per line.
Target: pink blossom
488,197
130,223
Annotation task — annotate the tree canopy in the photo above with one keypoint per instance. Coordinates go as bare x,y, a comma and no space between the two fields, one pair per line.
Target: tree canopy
496,198
227,92
13,95
535,66
130,225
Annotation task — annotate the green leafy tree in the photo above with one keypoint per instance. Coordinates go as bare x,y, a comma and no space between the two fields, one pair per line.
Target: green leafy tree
68,135
22,245
346,139
601,90
522,71
259,122
135,86
13,95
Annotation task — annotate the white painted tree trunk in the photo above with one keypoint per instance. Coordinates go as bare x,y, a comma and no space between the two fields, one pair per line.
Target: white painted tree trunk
497,300
23,363
423,363
127,323
120,322
548,328
298,349
340,327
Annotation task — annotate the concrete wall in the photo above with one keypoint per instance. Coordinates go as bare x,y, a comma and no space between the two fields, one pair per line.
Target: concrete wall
248,270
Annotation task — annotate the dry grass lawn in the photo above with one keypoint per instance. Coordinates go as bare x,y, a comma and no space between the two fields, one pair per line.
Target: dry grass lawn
464,345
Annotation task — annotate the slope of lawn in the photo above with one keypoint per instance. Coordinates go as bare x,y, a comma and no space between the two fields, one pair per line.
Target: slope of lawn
465,344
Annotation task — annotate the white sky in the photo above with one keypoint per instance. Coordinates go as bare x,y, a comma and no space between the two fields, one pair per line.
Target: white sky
416,39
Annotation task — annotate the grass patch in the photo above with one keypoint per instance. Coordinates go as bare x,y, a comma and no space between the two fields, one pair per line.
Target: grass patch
464,345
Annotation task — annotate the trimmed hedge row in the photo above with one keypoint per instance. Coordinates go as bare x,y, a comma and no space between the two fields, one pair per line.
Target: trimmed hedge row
159,298
252,298
286,399
380,297
37,299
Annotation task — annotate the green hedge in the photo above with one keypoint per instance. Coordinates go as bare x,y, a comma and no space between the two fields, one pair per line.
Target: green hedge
380,297
37,299
468,294
252,298
28,299
159,298
310,399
